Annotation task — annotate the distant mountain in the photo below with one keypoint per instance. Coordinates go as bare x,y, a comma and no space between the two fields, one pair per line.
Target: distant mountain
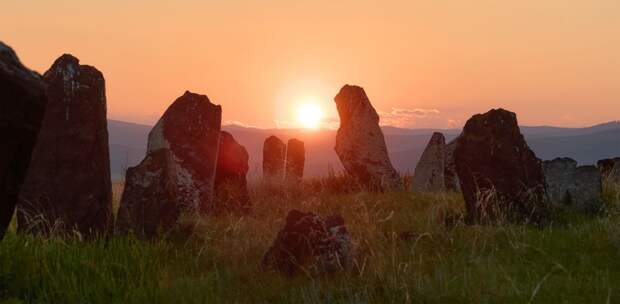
586,145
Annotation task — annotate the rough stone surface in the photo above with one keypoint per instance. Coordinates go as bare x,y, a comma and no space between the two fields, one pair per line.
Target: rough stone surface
588,189
190,129
310,242
429,172
451,179
610,168
22,106
189,133
500,176
295,161
231,186
360,144
149,202
68,185
573,187
274,153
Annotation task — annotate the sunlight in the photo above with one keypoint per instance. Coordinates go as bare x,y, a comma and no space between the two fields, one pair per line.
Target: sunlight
309,115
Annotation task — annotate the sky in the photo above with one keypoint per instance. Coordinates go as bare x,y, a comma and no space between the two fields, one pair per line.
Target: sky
423,64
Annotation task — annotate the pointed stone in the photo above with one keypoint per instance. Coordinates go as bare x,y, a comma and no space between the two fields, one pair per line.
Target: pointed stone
23,101
451,179
68,186
360,144
429,172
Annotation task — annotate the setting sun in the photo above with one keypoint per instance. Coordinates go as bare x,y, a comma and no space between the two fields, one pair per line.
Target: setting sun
309,115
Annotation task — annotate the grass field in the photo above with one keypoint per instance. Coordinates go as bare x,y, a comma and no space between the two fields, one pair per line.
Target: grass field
405,254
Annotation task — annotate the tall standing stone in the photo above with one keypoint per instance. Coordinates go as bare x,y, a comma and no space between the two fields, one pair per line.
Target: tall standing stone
429,172
68,185
22,106
573,187
451,179
189,135
295,161
231,186
274,153
498,173
360,144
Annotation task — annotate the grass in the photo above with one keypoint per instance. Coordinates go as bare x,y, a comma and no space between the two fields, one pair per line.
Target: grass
406,253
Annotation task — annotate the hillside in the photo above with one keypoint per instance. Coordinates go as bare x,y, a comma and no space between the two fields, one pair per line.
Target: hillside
586,145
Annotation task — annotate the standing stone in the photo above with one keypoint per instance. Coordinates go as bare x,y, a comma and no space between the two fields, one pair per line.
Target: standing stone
560,178
610,169
274,152
451,179
295,161
498,173
588,189
68,185
189,133
149,202
231,186
309,242
22,106
360,144
572,187
429,172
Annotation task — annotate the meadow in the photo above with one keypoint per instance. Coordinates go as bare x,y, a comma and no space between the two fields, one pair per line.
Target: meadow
411,248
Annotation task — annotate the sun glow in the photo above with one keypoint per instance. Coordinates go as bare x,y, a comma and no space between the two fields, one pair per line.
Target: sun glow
309,115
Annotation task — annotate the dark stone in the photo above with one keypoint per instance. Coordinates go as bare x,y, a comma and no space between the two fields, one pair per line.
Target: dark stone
295,161
499,175
310,242
429,172
360,144
610,169
190,129
175,181
274,152
231,186
68,185
149,202
22,106
451,179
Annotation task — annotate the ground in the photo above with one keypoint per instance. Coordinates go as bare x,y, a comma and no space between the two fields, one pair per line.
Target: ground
411,248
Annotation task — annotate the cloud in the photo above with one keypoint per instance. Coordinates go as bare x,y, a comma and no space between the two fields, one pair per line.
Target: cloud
239,124
407,118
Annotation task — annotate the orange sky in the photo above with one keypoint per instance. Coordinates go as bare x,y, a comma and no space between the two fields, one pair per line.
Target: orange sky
422,63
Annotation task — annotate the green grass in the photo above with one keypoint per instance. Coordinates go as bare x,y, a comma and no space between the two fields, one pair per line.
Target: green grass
405,253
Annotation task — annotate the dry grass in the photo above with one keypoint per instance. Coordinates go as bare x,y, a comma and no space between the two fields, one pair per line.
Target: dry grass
410,248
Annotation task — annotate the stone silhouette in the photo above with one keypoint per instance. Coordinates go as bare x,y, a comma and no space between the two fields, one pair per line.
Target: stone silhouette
610,168
573,187
310,242
22,104
451,179
500,176
274,153
68,184
189,133
231,186
360,144
429,172
295,161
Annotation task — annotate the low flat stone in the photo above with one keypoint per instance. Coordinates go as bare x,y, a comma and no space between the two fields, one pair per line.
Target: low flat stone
309,242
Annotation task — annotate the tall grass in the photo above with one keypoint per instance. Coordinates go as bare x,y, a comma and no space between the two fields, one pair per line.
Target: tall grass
410,248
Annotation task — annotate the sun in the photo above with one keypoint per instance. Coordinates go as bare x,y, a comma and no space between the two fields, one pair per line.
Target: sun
309,115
